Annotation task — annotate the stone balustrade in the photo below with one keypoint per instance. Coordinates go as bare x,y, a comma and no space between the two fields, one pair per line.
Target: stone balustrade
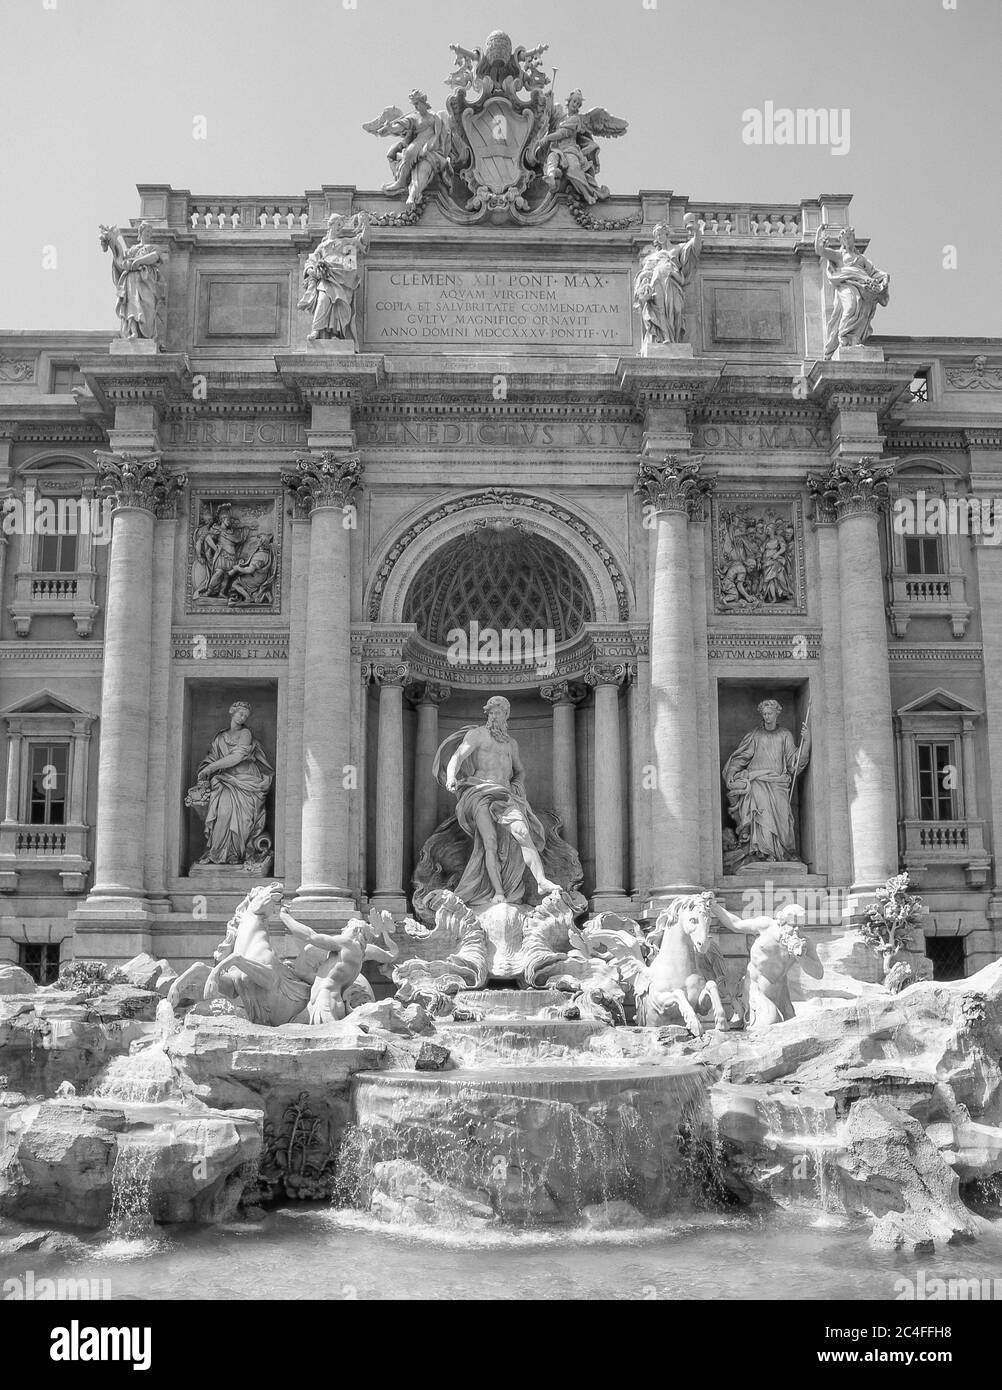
743,220
285,215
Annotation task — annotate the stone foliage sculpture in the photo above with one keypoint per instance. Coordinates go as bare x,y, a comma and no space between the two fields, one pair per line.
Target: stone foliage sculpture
331,277
136,272
232,786
859,287
760,776
889,924
659,288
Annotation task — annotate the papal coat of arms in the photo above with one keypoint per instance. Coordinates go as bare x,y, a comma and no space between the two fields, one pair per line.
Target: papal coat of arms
502,146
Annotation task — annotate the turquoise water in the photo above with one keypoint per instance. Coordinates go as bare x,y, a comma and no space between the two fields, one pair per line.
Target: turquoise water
320,1253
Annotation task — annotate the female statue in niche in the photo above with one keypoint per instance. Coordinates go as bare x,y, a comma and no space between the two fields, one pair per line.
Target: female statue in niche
233,782
760,775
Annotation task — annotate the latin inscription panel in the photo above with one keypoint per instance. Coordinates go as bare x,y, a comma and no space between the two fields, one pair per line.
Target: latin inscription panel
498,308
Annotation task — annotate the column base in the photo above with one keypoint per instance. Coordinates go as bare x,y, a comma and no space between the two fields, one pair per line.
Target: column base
389,902
111,929
612,900
323,904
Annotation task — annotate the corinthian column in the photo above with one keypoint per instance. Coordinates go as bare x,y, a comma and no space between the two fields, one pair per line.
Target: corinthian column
391,680
675,493
855,492
425,816
610,826
323,485
563,696
140,487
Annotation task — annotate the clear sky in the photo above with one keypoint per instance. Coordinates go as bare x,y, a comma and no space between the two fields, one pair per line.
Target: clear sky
99,95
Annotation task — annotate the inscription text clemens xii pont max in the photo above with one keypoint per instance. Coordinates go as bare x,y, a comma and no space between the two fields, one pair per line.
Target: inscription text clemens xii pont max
510,306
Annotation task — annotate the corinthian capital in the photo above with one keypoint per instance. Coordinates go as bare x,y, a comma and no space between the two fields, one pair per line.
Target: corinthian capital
139,480
608,673
674,485
324,480
850,489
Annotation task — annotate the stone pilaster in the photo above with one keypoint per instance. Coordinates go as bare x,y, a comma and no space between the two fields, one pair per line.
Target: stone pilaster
606,678
390,679
140,487
562,697
855,491
426,701
675,492
323,485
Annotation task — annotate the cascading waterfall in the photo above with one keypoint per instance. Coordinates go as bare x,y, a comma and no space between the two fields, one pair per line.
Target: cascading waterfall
131,1188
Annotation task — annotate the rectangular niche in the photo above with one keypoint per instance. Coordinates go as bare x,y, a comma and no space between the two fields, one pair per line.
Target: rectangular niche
738,315
234,560
206,715
233,307
738,715
758,553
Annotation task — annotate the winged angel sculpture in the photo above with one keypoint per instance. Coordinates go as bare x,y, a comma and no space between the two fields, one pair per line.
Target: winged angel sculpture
502,135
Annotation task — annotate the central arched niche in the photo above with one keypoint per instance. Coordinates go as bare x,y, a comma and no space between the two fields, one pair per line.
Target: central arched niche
500,575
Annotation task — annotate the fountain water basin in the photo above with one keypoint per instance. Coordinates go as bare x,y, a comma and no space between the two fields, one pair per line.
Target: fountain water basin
523,1145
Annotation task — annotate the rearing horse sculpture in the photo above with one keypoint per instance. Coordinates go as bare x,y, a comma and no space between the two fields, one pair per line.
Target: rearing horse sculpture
674,986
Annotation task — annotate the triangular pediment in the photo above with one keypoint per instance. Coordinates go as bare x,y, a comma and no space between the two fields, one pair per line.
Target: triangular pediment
44,702
938,701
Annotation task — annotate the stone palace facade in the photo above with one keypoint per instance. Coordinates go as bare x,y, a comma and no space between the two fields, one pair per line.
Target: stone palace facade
509,474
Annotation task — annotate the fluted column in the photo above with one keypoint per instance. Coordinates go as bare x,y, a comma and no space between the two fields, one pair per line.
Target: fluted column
675,492
425,817
391,680
610,829
139,487
323,485
562,696
855,492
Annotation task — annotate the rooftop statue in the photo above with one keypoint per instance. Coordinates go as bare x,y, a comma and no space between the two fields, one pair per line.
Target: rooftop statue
659,289
137,276
421,149
572,151
332,275
859,289
501,135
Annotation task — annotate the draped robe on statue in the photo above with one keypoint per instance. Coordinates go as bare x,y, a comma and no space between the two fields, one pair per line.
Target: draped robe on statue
236,811
505,804
758,775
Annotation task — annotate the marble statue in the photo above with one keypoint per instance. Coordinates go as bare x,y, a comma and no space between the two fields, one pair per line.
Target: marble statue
859,289
779,945
486,776
252,578
233,782
420,152
760,776
249,973
571,151
678,984
344,954
332,275
660,285
137,275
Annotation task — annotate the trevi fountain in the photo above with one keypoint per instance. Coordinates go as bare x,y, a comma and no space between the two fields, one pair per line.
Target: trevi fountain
394,957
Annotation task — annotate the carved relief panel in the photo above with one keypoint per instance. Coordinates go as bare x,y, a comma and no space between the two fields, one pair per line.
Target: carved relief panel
234,552
758,553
